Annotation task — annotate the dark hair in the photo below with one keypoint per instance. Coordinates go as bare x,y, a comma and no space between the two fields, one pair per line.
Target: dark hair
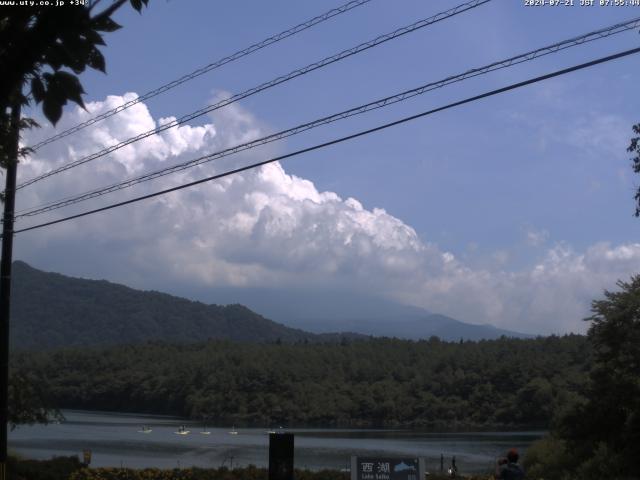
512,455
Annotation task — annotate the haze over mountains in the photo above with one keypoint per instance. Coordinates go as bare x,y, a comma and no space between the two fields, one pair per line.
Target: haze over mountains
52,310
337,311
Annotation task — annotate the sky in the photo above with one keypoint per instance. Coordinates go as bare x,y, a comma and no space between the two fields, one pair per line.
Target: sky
515,210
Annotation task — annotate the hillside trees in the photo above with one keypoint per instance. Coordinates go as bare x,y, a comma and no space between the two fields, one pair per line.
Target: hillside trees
607,426
634,147
598,435
505,383
29,401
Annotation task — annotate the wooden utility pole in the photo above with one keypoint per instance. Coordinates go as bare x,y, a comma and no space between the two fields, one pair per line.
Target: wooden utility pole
5,280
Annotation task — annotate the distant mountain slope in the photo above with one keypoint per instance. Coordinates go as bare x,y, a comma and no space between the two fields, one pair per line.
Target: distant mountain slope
335,311
292,304
412,327
51,310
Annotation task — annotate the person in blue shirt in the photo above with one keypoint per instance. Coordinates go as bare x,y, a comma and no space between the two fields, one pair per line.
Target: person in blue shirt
508,468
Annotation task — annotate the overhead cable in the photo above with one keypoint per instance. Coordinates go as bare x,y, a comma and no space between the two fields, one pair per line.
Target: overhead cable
205,69
339,140
524,57
272,83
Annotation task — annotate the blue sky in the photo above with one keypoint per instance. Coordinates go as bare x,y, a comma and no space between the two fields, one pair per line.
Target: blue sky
533,179
489,162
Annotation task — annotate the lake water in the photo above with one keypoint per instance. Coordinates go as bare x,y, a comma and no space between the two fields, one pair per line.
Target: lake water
116,440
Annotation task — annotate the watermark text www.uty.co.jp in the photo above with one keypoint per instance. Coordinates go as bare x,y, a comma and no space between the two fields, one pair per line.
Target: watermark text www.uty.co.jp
42,3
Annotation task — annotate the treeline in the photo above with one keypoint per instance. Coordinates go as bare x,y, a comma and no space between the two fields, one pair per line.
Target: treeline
505,383
598,436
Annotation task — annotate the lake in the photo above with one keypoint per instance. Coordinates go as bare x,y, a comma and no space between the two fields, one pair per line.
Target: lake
117,439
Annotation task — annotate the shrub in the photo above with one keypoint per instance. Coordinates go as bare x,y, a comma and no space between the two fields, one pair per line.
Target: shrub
58,468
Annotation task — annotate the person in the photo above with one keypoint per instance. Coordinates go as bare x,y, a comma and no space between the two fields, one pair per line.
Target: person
508,468
453,470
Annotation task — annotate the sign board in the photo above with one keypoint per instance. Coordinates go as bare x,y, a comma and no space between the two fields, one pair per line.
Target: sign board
387,468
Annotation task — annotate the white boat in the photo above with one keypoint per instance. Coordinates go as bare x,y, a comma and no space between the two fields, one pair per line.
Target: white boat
182,431
205,431
145,429
233,431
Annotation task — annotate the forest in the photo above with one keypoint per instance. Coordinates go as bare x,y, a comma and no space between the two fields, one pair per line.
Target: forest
584,389
505,383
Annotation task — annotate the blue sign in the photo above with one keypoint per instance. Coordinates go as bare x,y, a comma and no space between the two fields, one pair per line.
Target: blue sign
387,468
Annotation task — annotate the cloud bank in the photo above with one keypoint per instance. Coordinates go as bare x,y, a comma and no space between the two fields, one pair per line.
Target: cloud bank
269,228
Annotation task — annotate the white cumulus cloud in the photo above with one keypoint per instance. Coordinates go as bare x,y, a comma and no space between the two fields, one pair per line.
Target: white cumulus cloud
266,227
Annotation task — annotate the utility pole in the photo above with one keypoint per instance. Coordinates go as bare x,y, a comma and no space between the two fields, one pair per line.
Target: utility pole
5,280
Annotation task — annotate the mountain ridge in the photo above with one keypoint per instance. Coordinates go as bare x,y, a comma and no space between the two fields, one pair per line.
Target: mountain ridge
321,311
51,310
98,312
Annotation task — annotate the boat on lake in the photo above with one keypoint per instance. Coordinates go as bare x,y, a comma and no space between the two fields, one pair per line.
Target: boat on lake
182,431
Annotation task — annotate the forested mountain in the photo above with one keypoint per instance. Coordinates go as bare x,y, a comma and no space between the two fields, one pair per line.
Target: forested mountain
505,383
51,310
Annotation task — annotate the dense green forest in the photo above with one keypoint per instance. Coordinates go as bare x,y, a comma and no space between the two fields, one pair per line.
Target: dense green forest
505,383
599,435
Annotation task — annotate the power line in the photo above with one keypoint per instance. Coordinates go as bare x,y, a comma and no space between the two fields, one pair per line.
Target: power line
342,139
531,55
272,83
207,68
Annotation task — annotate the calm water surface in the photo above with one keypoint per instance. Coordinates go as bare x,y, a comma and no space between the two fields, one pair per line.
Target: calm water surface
116,440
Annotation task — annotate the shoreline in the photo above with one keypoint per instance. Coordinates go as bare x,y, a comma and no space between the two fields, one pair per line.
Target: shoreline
117,441
71,468
461,428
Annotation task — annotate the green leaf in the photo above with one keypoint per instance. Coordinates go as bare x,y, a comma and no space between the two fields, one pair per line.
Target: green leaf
37,89
52,109
94,37
105,24
54,57
96,60
76,52
27,123
70,86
